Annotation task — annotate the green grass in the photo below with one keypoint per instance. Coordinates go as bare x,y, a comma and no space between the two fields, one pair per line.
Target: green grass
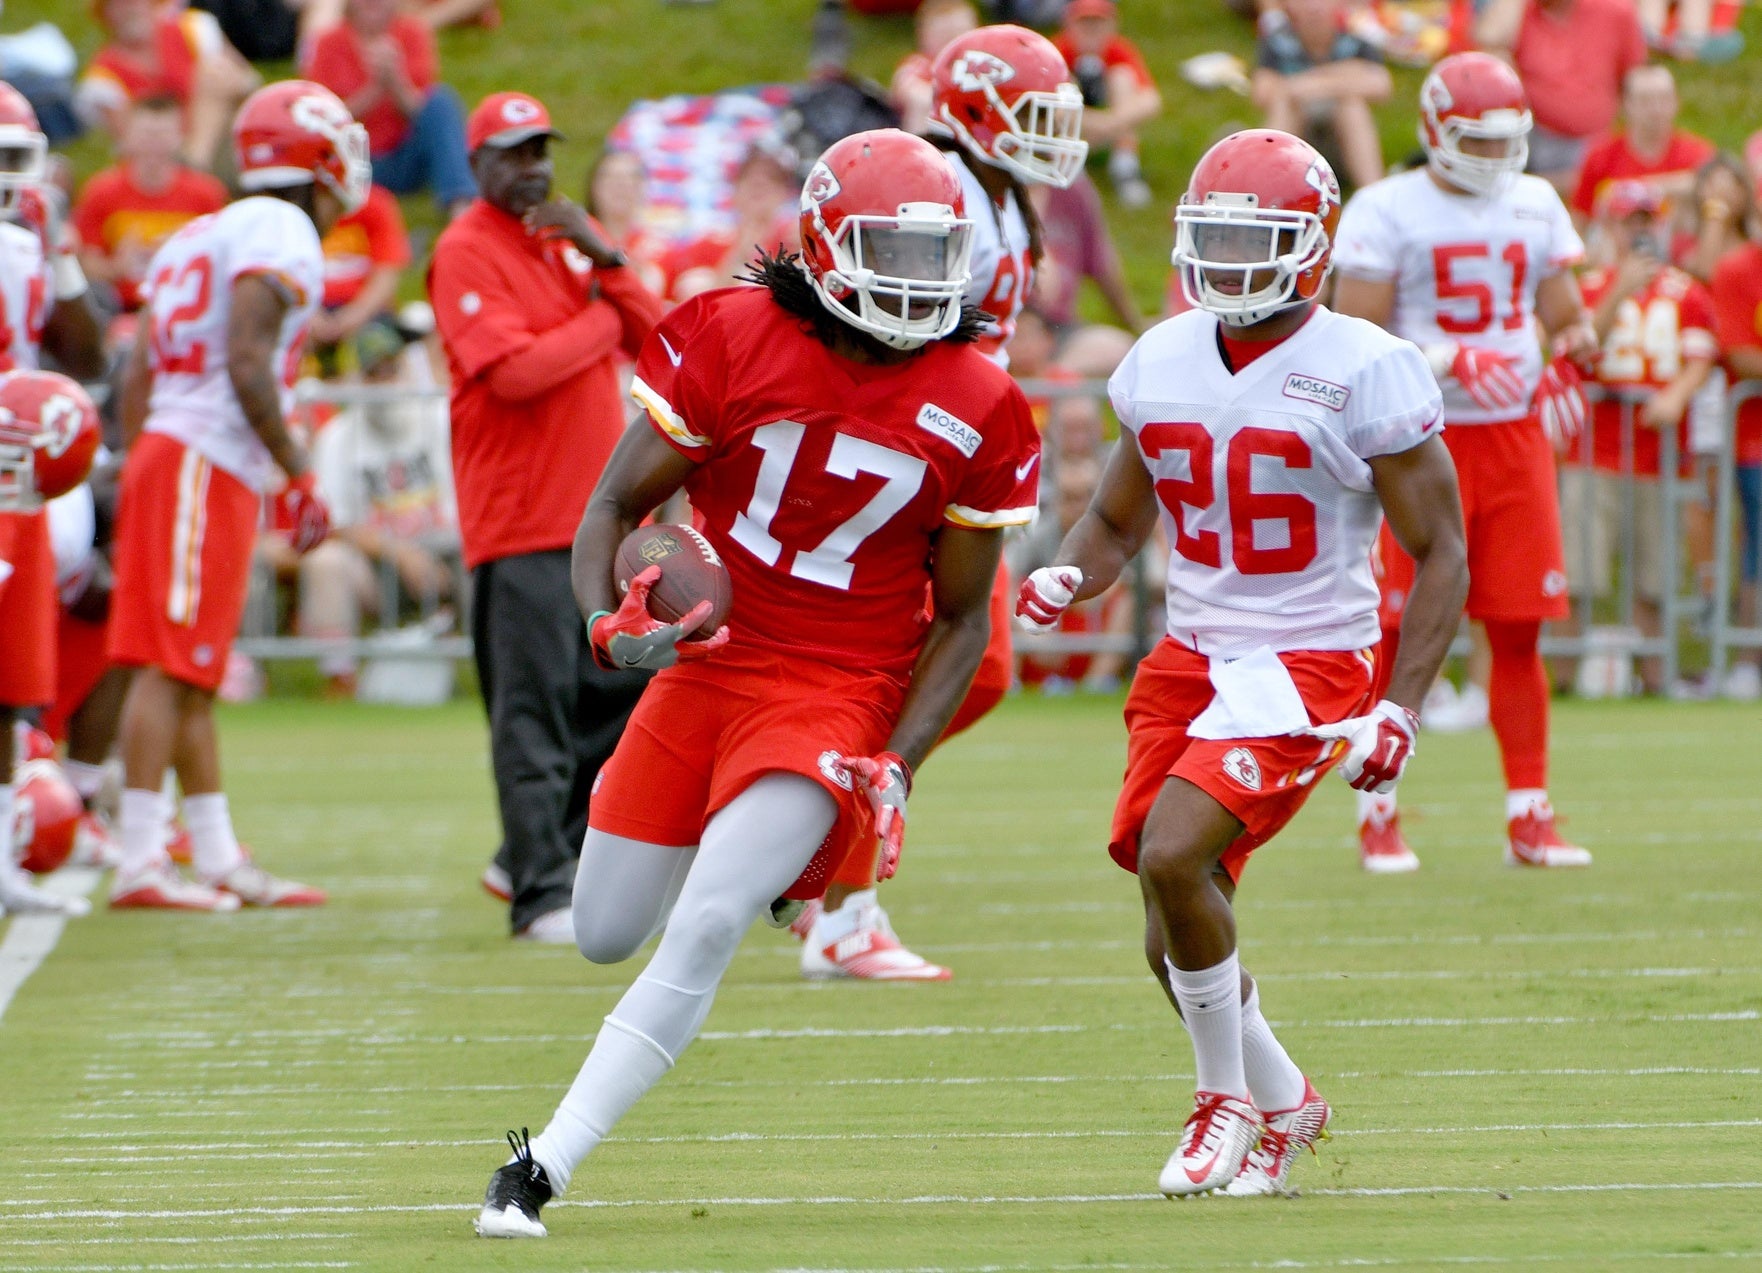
1554,1070
590,60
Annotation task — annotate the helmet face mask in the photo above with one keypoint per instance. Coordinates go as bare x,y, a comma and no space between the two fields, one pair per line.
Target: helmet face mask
1008,98
24,157
1043,143
294,132
1474,123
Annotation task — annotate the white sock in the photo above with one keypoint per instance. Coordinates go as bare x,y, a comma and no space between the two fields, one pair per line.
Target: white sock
623,1065
835,926
7,812
1525,800
1211,1008
88,780
143,831
1375,808
214,850
1274,1080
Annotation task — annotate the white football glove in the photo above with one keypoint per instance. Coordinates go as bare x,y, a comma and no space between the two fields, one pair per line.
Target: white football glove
1047,594
1378,746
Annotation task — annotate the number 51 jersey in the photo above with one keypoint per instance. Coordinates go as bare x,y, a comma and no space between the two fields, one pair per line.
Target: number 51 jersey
822,481
1262,479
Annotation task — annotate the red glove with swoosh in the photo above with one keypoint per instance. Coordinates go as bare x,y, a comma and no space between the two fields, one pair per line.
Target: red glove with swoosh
306,514
1378,746
1560,402
631,638
886,780
1488,377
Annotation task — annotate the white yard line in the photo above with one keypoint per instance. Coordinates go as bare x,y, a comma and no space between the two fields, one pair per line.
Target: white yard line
30,938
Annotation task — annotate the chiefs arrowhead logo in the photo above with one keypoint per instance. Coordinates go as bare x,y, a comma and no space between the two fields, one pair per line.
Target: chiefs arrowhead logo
1321,179
1435,96
1241,765
517,110
976,68
320,115
61,424
820,186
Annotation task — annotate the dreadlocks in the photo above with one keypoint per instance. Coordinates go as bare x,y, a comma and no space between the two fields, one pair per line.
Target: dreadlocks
1018,187
789,285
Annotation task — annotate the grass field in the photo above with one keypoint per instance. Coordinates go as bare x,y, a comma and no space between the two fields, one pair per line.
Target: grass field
1528,1069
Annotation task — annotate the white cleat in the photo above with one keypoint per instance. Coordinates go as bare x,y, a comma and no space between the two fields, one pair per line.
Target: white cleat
1382,849
1220,1134
1287,1134
869,952
1532,840
508,1222
19,895
161,888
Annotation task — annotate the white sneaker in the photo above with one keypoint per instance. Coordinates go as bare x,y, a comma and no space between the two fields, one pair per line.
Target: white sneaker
1469,711
553,928
1743,682
1382,849
1534,840
1286,1135
496,883
254,886
161,888
19,895
868,952
1220,1134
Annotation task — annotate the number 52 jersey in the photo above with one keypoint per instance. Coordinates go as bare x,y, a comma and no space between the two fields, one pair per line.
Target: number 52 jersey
1262,476
821,481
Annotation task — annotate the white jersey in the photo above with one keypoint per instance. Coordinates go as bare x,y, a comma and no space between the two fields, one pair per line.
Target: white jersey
26,294
1465,268
1002,270
189,290
1265,492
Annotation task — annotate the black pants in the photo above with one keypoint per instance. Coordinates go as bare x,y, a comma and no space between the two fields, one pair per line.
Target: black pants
554,718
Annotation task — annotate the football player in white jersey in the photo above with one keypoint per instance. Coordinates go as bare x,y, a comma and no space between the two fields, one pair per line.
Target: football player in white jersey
1271,437
203,404
1471,260
1005,111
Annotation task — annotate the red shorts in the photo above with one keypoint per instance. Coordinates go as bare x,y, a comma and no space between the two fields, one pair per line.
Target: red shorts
704,732
184,532
27,611
81,661
1393,569
1263,781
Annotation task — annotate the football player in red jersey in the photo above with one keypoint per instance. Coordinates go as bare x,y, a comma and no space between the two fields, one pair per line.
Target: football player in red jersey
846,449
1006,113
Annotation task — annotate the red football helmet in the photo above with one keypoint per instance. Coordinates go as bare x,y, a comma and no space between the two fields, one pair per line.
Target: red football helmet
46,815
1260,202
1474,95
884,236
24,151
48,437
296,131
1007,94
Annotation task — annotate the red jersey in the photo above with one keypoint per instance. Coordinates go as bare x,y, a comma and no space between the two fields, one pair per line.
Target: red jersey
1572,63
1117,52
177,47
360,243
113,209
337,59
1666,323
1737,314
823,482
1613,159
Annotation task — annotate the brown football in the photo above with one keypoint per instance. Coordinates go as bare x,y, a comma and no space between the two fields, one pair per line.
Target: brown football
691,572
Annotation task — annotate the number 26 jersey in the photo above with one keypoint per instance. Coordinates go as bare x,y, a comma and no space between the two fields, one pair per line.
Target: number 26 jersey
1262,478
822,481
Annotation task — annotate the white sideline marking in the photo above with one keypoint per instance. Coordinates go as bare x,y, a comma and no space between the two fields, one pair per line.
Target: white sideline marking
205,1240
180,1268
30,938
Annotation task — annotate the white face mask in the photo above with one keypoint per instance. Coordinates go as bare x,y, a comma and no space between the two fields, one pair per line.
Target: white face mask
899,278
1479,174
1223,243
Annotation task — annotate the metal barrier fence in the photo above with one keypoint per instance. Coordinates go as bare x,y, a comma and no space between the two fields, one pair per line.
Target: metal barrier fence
1678,607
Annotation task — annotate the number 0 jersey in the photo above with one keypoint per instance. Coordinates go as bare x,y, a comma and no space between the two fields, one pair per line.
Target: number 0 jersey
1464,268
1002,270
24,296
189,314
821,481
1262,479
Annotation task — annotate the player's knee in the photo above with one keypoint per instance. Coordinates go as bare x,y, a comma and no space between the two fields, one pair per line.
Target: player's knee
711,930
605,939
1172,864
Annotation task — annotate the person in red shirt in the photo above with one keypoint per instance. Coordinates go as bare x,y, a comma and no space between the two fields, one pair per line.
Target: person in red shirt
1650,148
385,66
364,255
762,198
935,23
154,52
1737,314
1119,96
532,305
124,213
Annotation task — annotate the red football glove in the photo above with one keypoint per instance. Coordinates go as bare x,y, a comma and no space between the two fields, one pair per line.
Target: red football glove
631,638
1560,402
304,512
886,780
1046,595
1488,377
1378,746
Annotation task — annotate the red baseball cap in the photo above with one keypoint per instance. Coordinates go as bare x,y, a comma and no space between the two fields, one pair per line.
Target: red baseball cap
507,119
1091,9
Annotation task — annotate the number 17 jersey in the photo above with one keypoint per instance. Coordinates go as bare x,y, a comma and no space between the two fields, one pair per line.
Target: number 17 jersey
1262,478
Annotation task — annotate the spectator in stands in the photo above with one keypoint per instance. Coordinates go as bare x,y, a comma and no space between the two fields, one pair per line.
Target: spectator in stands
365,254
1119,95
1720,208
155,51
270,30
935,23
385,66
1315,78
1572,56
764,197
531,303
1693,30
125,212
617,195
1737,311
459,13
386,472
1650,148
1077,246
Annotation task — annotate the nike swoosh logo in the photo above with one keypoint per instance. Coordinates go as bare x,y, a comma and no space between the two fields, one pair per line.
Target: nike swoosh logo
1026,467
1198,1177
673,355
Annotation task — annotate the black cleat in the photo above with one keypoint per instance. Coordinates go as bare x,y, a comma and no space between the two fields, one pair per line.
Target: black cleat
515,1194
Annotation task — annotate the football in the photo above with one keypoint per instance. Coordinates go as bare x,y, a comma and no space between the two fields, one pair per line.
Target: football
691,572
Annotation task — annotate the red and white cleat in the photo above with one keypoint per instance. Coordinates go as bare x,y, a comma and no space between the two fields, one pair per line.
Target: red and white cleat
868,952
1220,1134
496,883
1532,840
161,888
1382,850
94,845
179,847
1287,1134
254,886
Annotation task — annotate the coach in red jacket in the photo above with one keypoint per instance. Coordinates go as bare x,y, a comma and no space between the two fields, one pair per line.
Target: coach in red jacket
532,305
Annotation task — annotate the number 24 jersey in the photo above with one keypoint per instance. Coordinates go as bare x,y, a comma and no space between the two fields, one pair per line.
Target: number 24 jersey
1262,476
822,481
